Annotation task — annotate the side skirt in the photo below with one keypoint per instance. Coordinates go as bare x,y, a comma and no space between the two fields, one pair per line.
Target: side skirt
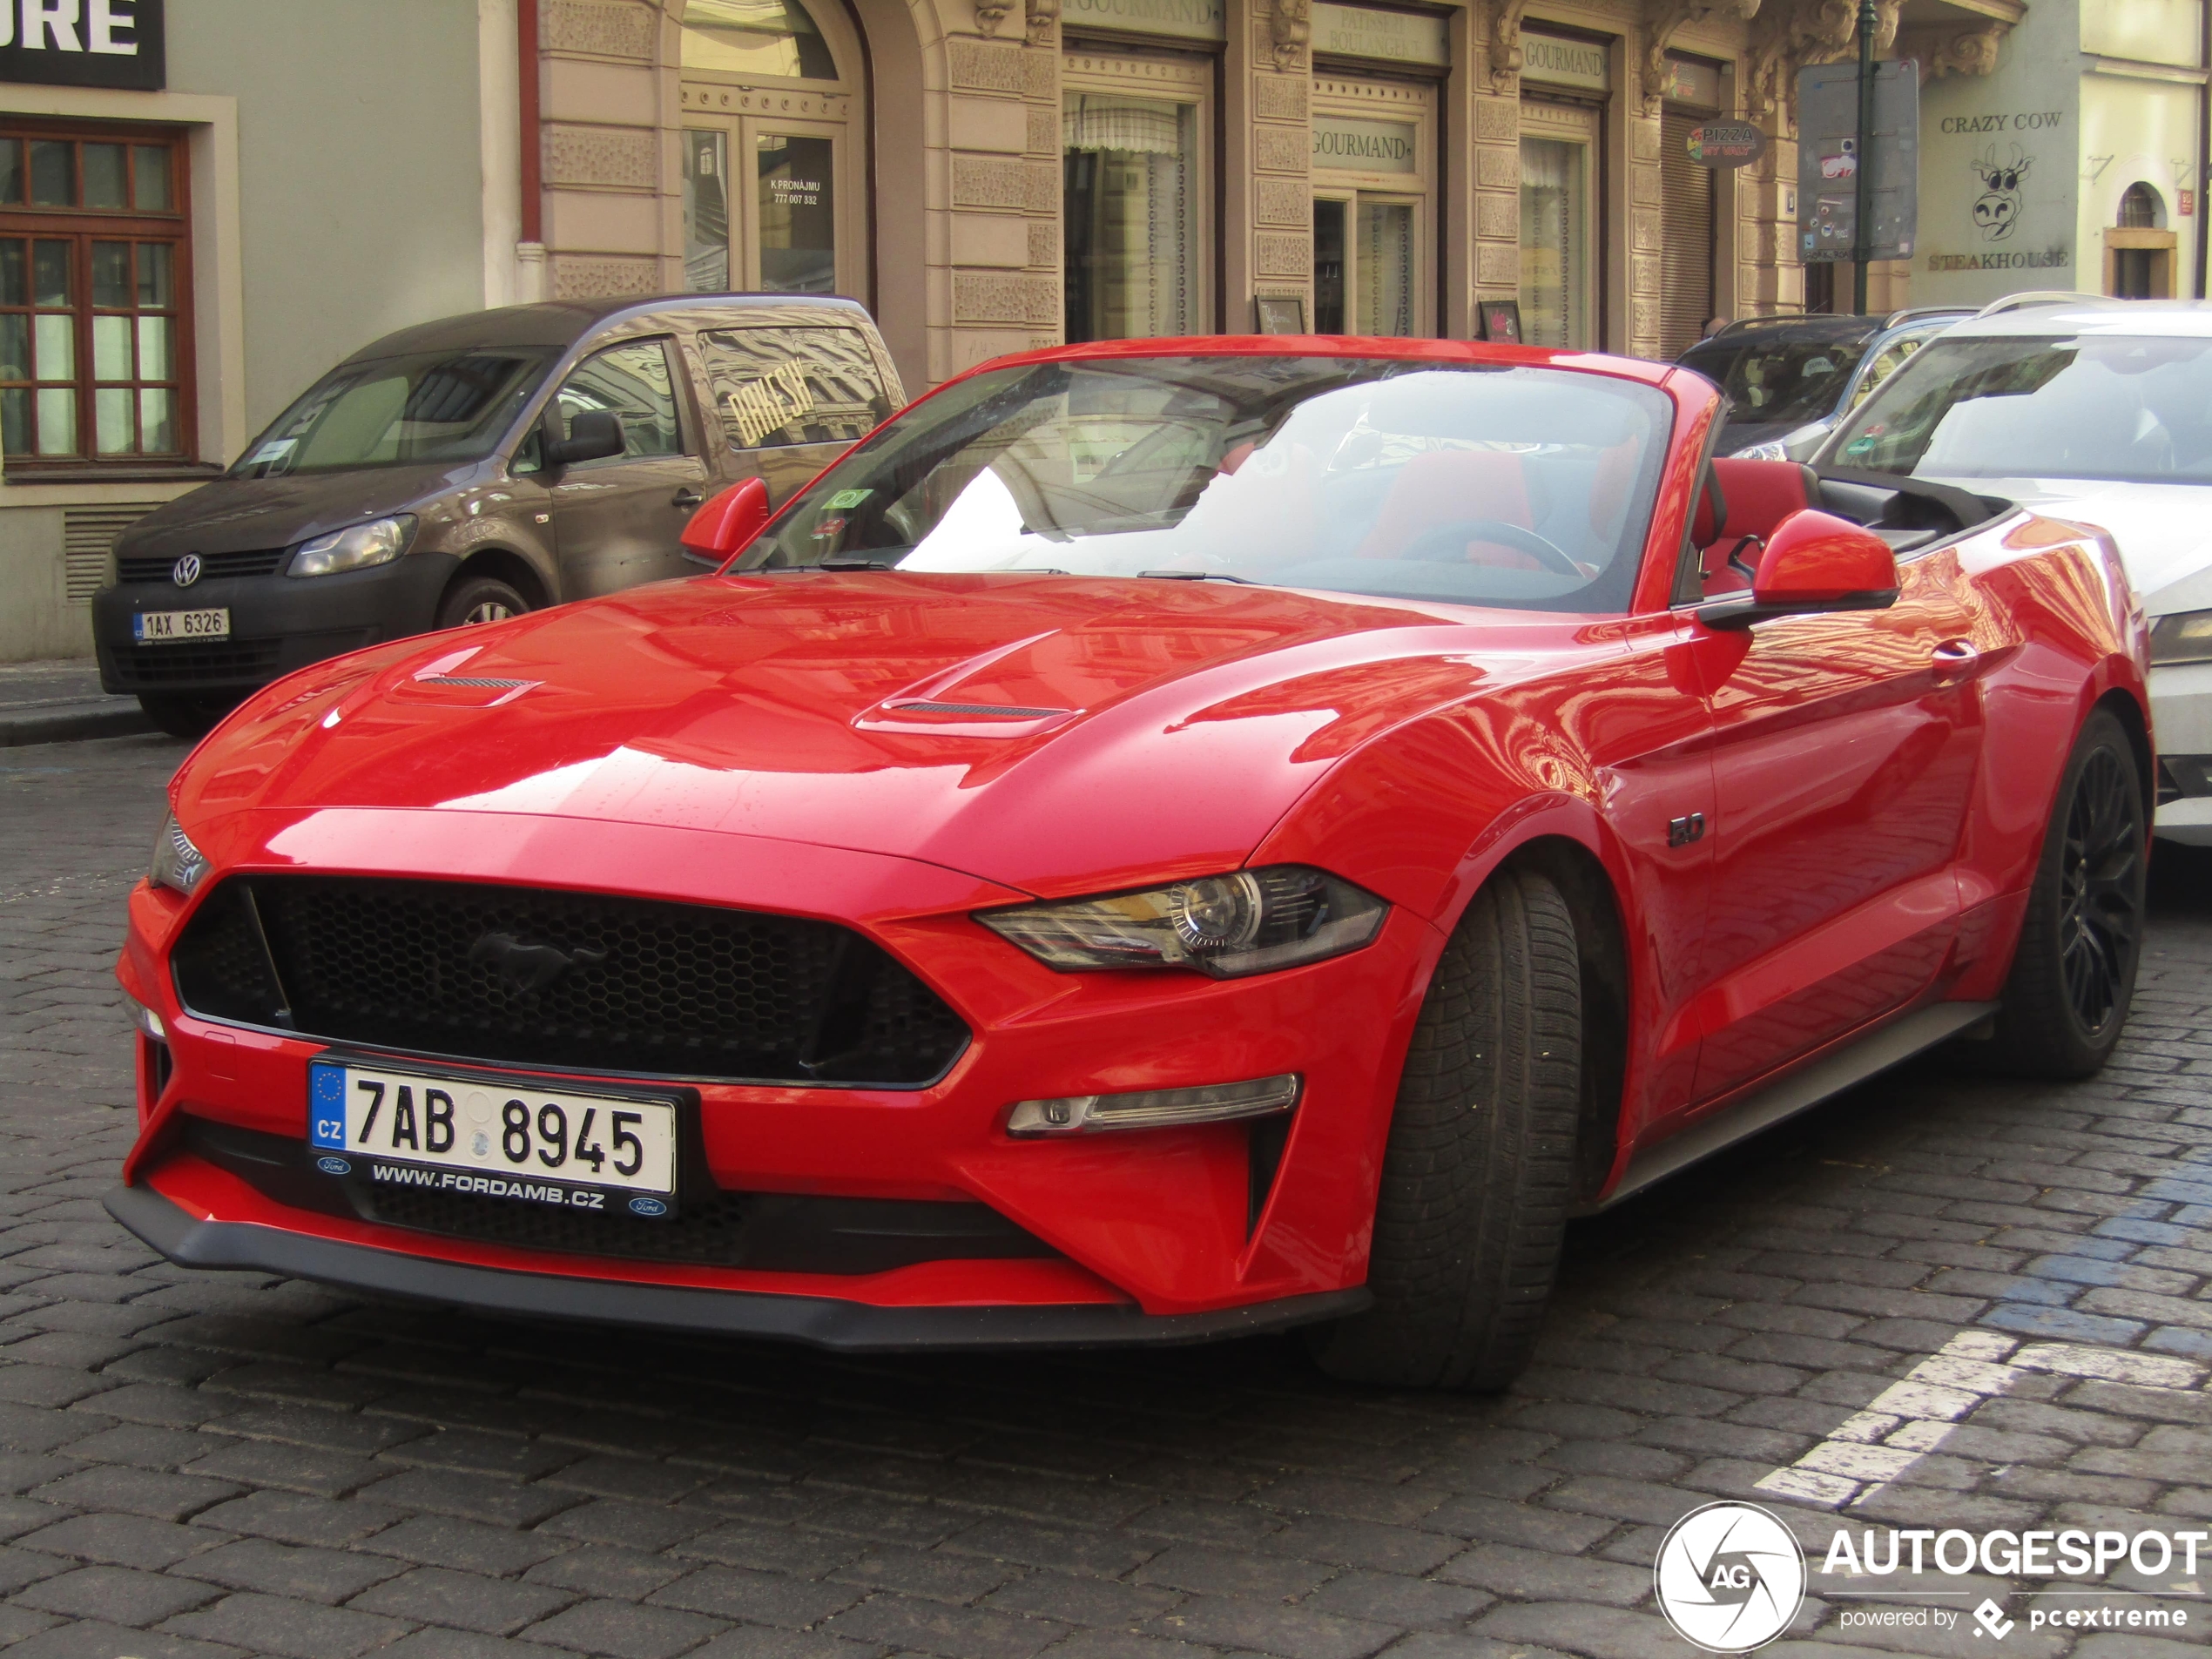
1831,1073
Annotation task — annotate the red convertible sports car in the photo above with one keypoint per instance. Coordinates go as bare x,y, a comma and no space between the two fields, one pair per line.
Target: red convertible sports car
1161,840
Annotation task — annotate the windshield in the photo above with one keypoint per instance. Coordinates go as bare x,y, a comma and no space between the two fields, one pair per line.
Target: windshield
2139,410
1796,381
429,406
1527,488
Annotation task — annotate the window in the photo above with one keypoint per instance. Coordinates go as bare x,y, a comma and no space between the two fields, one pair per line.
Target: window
1555,289
2139,208
95,273
779,384
633,382
423,408
1130,169
755,37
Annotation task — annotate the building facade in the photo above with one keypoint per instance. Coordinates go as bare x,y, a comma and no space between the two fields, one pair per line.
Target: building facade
987,175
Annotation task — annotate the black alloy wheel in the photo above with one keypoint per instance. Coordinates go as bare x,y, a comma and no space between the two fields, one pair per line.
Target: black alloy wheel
2065,1000
2101,889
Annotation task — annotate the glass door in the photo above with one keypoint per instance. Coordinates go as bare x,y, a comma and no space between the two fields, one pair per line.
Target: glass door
1374,241
771,225
1365,265
1558,287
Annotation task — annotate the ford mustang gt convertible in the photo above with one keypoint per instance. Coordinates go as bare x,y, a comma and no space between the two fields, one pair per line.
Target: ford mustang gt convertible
1160,841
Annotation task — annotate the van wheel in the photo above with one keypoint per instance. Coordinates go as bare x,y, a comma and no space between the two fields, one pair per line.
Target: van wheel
2073,973
480,598
184,717
1480,1159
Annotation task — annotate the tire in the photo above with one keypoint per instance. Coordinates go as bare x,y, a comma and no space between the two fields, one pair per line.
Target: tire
186,716
1478,1169
479,599
2065,1000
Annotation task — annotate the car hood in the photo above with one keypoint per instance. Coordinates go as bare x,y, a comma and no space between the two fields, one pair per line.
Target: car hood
243,515
1051,733
2163,531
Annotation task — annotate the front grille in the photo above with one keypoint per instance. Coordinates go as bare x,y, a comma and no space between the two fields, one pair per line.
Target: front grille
765,1231
569,980
140,566
145,668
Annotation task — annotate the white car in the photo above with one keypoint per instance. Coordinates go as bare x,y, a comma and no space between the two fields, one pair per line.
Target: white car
2100,412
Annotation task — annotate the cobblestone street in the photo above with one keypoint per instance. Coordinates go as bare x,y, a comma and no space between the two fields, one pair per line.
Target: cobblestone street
1940,1302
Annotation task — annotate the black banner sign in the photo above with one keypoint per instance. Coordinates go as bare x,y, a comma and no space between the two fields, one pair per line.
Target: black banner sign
83,43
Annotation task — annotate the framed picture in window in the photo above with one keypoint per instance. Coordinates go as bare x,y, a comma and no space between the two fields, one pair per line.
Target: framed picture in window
1281,313
1500,320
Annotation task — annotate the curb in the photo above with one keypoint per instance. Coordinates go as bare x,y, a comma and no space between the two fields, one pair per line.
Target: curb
65,726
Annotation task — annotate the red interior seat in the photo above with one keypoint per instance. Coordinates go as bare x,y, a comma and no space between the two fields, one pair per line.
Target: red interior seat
1755,497
1442,487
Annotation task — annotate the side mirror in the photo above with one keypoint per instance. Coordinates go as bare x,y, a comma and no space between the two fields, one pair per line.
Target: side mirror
727,523
1813,563
594,434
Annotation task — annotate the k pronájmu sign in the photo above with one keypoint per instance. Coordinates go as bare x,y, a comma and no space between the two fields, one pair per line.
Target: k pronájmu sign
1726,144
83,43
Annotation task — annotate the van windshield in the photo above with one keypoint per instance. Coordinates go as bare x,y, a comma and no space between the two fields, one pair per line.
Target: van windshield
426,407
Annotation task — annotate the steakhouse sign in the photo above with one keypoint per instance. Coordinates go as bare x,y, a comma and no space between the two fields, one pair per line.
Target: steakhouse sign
83,43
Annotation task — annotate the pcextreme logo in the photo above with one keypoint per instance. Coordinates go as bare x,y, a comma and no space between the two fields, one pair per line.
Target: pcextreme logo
1731,1577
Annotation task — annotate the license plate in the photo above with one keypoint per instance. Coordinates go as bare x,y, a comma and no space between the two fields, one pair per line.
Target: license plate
171,627
493,1139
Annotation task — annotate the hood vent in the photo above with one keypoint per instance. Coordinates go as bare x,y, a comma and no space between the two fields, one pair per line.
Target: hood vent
989,710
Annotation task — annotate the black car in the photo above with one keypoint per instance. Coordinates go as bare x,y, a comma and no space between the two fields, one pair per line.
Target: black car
1789,380
465,470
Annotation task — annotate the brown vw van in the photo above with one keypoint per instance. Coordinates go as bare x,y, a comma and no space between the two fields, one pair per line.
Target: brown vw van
468,470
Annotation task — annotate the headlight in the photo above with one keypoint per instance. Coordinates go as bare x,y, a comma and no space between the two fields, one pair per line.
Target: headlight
1227,926
355,547
177,863
2185,637
1790,446
1762,452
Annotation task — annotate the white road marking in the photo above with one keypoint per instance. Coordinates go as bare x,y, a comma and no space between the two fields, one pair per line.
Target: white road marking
1914,1416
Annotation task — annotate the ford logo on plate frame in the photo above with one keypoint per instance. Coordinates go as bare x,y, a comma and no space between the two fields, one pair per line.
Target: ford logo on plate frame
334,1166
186,571
644,1206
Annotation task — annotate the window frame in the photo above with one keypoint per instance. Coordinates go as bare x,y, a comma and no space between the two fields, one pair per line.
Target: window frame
686,436
82,226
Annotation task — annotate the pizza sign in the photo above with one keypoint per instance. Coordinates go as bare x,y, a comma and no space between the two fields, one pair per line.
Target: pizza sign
1726,144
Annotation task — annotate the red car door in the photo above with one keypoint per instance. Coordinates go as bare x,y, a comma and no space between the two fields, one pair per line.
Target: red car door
1845,749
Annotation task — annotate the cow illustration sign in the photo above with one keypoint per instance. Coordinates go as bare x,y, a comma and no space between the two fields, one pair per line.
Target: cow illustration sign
1997,210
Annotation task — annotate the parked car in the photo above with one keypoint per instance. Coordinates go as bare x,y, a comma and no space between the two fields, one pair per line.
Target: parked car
1789,379
474,468
1164,841
2098,411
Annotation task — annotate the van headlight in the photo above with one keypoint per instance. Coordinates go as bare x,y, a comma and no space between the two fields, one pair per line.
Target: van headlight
1250,922
355,548
178,865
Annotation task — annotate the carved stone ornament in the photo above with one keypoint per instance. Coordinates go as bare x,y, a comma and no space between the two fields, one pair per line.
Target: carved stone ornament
1505,45
1044,17
989,14
1963,51
1784,39
1291,26
1665,18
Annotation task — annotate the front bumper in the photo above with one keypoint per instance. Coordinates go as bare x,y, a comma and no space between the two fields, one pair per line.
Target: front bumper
2181,709
1204,1222
278,623
821,1321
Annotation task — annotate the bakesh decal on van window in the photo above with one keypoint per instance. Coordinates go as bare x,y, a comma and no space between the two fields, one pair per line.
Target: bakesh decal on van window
781,384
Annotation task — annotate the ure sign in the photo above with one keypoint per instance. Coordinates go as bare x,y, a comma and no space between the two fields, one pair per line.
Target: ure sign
83,43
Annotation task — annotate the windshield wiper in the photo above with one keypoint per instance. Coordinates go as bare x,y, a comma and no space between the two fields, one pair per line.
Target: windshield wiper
849,563
1198,576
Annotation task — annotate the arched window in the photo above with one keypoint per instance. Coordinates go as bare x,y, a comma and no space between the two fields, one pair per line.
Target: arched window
2138,206
755,37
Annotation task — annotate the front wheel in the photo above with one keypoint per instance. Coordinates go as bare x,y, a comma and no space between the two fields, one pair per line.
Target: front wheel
479,599
2074,974
1477,1172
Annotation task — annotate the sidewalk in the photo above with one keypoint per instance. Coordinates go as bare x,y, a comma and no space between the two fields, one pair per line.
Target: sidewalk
55,701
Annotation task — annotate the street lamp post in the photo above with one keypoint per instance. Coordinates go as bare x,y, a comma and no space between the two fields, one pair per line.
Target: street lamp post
1862,196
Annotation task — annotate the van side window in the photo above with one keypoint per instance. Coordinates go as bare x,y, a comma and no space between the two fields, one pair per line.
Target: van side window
633,380
781,384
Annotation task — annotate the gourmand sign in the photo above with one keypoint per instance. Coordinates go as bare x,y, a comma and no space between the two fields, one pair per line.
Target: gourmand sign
83,43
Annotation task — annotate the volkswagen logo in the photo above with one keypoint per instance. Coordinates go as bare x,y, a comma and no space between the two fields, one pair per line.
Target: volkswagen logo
186,571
